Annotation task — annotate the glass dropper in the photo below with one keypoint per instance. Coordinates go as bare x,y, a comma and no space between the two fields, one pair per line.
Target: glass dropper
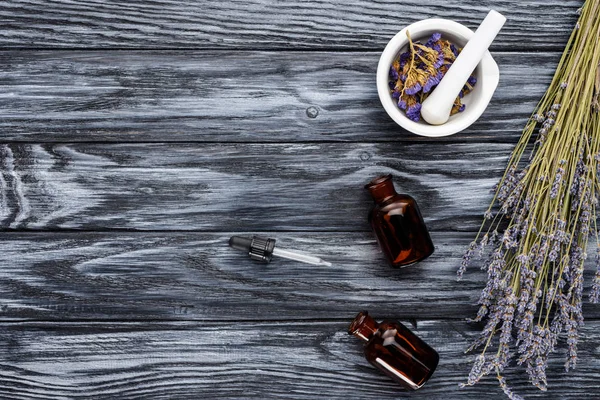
262,249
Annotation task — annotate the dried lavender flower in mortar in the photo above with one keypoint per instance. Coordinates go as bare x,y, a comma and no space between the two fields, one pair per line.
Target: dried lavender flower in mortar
440,60
435,37
402,104
432,81
412,90
403,59
454,50
414,112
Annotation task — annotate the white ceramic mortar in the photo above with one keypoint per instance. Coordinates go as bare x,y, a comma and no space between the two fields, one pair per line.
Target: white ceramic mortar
487,74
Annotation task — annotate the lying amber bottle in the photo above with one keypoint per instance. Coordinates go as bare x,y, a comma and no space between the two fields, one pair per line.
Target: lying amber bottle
395,350
398,224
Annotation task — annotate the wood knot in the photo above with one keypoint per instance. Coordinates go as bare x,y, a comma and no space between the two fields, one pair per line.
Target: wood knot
312,112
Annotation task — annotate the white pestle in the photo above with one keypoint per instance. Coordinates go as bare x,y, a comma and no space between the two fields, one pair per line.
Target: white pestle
436,108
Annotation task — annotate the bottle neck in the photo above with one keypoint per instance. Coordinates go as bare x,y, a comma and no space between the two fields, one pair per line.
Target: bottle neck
381,188
363,326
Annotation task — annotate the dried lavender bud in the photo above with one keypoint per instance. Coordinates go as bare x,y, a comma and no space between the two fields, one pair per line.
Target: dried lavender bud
454,50
466,260
595,292
509,393
414,112
557,182
414,89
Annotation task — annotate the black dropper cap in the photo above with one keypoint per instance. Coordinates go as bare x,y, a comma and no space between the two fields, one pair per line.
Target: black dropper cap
258,248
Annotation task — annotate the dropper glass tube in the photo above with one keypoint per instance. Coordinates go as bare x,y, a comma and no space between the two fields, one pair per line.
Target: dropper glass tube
303,258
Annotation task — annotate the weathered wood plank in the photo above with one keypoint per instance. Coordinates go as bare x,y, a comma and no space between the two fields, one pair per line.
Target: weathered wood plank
318,24
248,360
230,97
225,187
192,276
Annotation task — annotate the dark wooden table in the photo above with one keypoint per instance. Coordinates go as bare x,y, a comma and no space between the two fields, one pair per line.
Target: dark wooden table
137,136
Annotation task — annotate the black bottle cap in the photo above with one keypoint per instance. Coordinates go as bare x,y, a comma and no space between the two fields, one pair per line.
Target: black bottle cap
258,248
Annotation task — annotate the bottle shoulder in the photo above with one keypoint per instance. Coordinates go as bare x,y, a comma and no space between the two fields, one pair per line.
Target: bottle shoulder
395,204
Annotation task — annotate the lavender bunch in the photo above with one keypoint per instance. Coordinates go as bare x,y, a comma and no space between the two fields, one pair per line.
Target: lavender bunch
416,72
533,241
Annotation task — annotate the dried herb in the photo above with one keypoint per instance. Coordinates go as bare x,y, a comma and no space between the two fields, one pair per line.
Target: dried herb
416,72
535,232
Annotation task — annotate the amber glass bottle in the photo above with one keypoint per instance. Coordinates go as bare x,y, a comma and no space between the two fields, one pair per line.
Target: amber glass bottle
398,224
395,350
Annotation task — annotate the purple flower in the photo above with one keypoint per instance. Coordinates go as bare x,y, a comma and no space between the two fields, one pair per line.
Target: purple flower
402,104
595,292
440,60
396,94
462,108
434,38
404,57
393,73
454,50
472,80
466,260
432,81
413,89
557,182
414,112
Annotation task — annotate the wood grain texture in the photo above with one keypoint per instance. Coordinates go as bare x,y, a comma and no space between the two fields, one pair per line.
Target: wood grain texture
230,97
316,24
195,276
304,360
226,187
136,137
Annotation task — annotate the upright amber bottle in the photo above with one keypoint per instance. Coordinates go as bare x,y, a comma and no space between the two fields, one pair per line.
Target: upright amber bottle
395,350
398,224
